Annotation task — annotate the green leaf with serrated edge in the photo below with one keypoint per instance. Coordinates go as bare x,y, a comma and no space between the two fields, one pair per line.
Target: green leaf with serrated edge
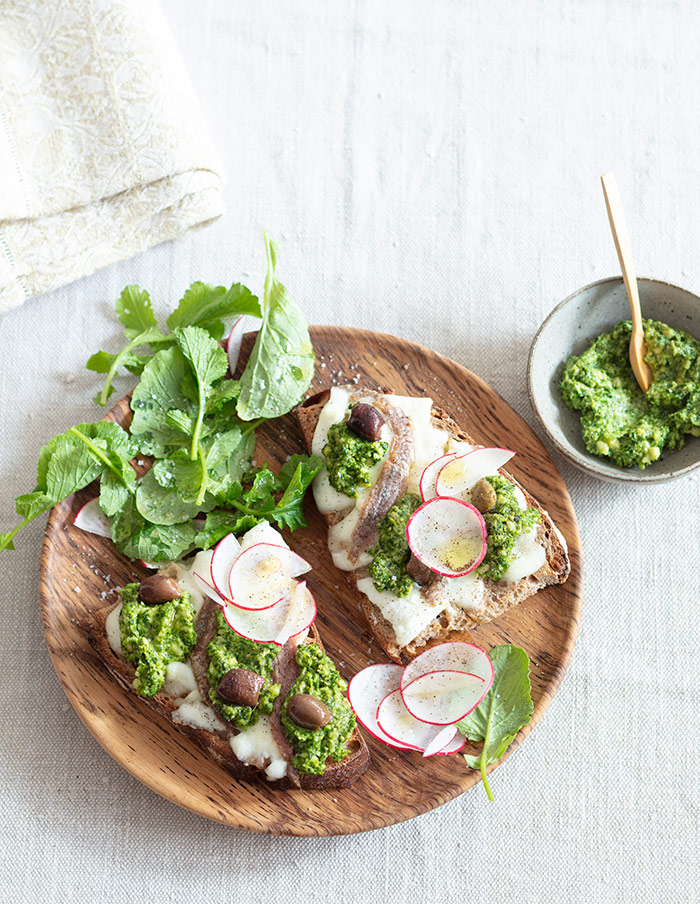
289,512
220,523
209,363
32,504
179,421
113,493
139,539
162,505
157,393
224,391
281,365
135,312
504,710
101,362
208,306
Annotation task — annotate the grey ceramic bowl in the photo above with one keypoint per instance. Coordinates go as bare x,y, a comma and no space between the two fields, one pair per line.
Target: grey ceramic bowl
568,330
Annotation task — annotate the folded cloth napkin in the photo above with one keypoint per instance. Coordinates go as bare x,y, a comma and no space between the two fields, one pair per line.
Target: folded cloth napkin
103,148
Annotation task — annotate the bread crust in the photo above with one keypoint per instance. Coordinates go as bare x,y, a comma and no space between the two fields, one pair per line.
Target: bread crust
216,744
499,597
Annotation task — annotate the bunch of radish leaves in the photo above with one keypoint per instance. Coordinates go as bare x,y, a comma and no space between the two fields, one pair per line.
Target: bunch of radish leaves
194,422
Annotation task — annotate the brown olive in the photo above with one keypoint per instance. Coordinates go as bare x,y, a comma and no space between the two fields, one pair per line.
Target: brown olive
420,573
158,589
483,496
308,711
241,687
366,422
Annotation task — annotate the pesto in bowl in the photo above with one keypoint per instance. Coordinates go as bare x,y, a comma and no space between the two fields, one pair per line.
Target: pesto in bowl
618,420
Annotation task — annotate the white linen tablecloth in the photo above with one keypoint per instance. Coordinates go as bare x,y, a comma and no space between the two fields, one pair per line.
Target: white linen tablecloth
430,170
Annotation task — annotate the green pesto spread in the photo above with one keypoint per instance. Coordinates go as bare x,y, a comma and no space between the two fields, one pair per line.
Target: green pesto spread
504,524
228,650
349,458
154,636
319,677
618,421
391,554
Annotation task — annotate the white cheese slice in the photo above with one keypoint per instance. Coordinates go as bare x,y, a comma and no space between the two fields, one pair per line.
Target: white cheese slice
530,556
466,592
429,441
114,634
408,615
256,746
179,680
194,711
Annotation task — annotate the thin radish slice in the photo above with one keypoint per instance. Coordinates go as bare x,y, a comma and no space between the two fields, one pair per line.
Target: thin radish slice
458,743
448,535
443,698
92,519
456,655
301,614
367,690
429,476
207,589
154,566
225,554
292,616
260,576
396,721
233,345
441,740
457,477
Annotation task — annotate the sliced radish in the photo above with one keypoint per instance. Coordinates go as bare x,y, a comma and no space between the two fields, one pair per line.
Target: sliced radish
367,690
225,554
441,740
448,535
207,589
233,345
278,623
443,698
429,476
396,721
458,743
261,574
154,566
92,519
456,655
301,613
457,477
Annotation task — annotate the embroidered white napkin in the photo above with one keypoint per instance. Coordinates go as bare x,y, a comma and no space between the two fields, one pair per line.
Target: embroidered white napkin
103,148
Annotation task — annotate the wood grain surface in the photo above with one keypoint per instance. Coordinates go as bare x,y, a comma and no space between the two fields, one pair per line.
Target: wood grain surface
80,572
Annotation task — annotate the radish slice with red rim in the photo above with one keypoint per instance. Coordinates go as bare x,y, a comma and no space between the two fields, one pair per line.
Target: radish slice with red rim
455,655
397,722
429,476
444,697
448,535
207,588
260,576
294,614
225,554
459,742
92,519
233,345
367,690
441,740
457,477
300,614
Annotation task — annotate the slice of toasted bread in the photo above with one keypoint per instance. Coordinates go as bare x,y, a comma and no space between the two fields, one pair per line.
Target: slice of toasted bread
216,742
498,597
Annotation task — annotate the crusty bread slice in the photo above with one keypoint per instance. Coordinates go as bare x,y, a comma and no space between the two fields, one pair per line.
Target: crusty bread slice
216,744
498,598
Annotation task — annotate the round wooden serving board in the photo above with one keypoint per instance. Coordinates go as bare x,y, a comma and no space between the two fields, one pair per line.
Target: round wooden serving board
80,572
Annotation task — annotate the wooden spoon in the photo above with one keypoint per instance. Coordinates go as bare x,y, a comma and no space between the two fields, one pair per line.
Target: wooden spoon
616,215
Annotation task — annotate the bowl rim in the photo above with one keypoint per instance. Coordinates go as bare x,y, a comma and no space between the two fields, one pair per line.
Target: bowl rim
600,470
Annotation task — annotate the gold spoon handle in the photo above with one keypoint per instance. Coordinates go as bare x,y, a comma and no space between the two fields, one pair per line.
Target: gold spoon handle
618,225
